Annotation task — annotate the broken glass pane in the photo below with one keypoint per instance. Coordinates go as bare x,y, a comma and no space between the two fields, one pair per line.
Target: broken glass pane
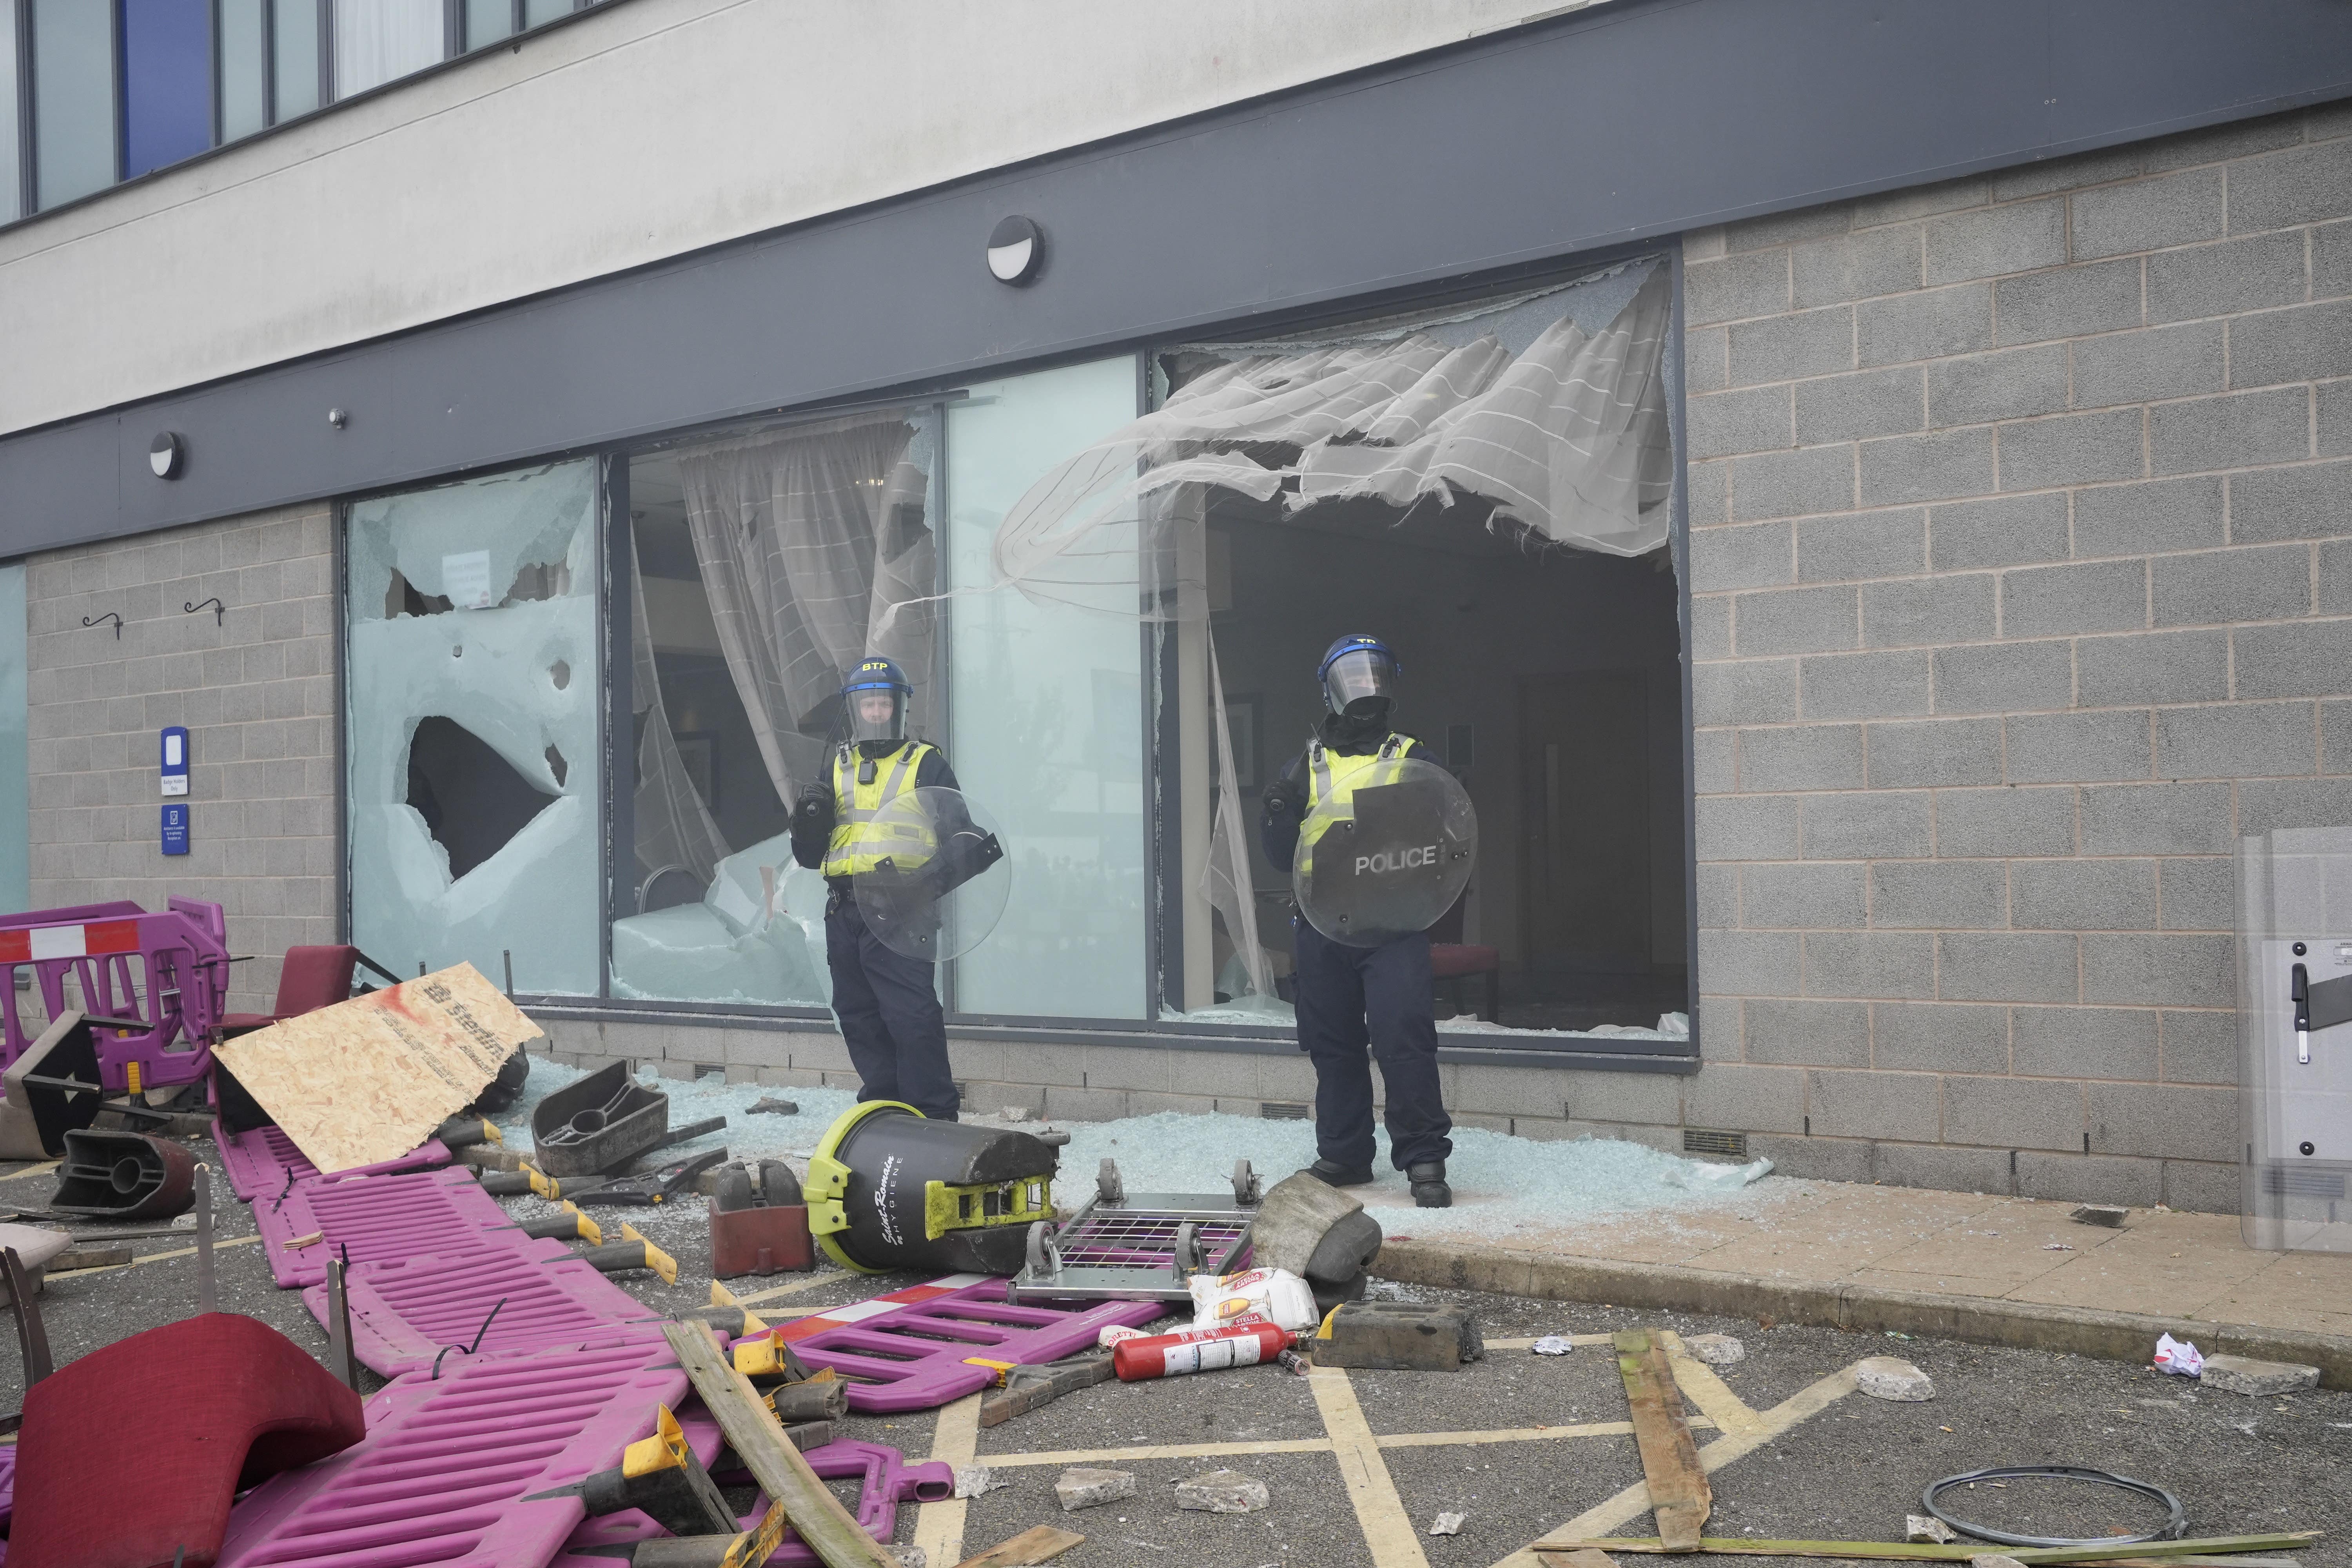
474,776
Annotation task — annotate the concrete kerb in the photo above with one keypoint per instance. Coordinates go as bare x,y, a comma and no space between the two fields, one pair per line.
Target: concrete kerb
1862,1309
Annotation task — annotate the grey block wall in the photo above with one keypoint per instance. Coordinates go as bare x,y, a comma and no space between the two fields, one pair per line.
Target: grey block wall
2022,556
257,693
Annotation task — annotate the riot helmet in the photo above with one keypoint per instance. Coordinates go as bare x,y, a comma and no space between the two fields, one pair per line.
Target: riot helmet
1360,678
875,701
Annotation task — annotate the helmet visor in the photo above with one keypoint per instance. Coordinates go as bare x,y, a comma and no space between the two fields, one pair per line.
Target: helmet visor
1359,675
877,713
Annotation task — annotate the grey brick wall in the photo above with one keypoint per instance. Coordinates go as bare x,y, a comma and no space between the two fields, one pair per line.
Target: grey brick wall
2019,509
257,693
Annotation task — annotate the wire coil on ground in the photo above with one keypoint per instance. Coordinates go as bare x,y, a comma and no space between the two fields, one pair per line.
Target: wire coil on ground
2175,1527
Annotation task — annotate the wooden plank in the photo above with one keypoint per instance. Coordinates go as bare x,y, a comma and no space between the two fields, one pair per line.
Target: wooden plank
775,1464
1679,1493
369,1080
1025,1550
2167,1551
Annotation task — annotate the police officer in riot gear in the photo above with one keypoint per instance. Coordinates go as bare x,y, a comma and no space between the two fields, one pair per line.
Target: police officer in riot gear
887,1003
1349,998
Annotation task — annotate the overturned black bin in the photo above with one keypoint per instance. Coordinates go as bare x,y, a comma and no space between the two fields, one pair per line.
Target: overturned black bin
600,1123
888,1188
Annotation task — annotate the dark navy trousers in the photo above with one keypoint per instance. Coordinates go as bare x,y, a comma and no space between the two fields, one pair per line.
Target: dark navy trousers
888,1008
1352,1000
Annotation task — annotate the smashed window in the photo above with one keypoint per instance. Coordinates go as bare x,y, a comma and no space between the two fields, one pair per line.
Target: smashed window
474,782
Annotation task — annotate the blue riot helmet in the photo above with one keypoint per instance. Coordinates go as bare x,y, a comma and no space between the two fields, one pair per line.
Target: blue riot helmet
1359,676
875,697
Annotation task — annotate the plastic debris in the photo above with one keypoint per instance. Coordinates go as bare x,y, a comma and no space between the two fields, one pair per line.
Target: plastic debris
1114,1332
1717,1350
1553,1344
2244,1375
1892,1378
1085,1488
1274,1294
2177,1357
974,1480
1448,1524
1926,1528
1221,1491
1291,1360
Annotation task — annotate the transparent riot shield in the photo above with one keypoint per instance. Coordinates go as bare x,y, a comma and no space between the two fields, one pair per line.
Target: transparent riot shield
938,885
1390,858
2294,1038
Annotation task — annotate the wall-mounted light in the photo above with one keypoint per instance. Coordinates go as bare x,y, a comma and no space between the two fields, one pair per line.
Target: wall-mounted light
168,455
1016,249
338,417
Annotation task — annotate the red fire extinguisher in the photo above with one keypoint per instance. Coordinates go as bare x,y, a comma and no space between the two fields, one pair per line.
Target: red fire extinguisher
1198,1350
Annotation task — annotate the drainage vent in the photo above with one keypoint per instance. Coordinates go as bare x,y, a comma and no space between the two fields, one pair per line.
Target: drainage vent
1733,1144
2302,1181
1281,1110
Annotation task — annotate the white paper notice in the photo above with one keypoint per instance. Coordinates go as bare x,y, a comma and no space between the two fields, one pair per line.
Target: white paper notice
465,580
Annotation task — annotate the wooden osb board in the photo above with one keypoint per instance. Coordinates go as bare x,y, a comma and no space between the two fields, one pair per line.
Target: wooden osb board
369,1080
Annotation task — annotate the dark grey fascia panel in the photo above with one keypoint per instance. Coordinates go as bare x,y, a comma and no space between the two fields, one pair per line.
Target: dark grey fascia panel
1557,141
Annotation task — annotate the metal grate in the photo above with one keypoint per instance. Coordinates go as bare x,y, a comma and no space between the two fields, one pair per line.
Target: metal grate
1696,1140
2303,1182
1127,1238
1281,1110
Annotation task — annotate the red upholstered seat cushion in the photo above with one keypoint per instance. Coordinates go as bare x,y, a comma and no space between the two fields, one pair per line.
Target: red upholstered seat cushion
246,1020
247,1402
1447,960
315,977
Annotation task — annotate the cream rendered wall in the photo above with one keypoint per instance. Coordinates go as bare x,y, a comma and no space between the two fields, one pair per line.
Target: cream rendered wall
643,131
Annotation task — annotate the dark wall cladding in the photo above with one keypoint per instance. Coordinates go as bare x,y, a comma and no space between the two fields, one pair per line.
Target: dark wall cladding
1637,118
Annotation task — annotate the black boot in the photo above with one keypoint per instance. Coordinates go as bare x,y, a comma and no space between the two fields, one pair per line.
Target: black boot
1332,1174
1429,1188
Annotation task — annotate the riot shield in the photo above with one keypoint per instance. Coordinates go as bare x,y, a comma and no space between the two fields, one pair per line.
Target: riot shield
939,883
1390,858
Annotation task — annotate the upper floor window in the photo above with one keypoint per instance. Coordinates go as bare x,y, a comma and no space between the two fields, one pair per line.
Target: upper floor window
96,91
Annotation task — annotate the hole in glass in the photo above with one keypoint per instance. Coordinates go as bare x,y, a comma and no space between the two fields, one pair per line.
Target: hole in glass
555,762
472,799
562,674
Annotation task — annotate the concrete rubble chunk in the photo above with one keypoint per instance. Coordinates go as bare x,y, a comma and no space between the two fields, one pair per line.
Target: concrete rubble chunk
1016,1113
974,1480
2111,1215
1893,1378
1717,1350
2244,1375
1085,1488
1926,1528
1219,1491
1448,1524
909,1556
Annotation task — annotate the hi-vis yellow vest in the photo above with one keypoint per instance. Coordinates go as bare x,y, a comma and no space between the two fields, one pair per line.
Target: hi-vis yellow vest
859,843
1333,781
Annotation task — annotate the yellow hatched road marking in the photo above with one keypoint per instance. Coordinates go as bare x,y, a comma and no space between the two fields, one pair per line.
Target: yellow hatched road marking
939,1526
154,1257
831,1277
1709,1392
1783,1417
1164,1451
32,1171
1388,1530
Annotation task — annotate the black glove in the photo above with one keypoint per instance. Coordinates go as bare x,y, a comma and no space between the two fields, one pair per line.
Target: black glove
814,809
1286,797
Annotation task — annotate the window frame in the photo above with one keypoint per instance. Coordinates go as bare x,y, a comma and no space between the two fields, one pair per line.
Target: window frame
1164,950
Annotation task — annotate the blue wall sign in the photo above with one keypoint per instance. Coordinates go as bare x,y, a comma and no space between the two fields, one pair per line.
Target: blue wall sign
175,829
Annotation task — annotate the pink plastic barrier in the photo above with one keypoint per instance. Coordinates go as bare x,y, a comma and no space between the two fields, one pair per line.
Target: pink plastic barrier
372,1218
885,1481
912,1348
263,1161
443,1472
169,973
404,1313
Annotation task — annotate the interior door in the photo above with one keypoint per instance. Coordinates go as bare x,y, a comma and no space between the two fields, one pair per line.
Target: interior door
1585,803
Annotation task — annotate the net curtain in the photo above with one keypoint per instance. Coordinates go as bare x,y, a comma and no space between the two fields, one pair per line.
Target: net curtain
813,548
1564,442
